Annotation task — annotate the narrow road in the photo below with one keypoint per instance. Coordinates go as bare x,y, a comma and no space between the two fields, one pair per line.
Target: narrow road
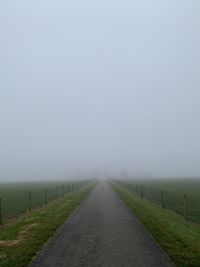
102,232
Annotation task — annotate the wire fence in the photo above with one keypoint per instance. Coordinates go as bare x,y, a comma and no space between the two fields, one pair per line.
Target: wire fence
19,198
185,204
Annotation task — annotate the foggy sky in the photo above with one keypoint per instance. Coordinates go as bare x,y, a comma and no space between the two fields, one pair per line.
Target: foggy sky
88,84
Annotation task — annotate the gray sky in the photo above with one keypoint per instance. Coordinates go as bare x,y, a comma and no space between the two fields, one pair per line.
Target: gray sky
87,84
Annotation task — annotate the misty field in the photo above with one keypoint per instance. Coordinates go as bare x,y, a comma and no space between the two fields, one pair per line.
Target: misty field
179,195
179,238
21,239
17,198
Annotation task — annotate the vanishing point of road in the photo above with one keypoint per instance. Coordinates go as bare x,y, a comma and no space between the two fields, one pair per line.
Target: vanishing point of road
102,232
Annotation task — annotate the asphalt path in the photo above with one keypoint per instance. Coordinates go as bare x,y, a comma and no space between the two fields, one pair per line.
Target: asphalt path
102,232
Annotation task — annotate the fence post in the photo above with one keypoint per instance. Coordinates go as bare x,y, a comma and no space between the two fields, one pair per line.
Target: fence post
68,188
72,187
63,189
142,193
151,194
162,199
185,207
136,189
56,192
29,200
1,217
45,196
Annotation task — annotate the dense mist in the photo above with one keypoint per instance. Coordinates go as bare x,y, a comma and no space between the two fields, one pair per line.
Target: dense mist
99,88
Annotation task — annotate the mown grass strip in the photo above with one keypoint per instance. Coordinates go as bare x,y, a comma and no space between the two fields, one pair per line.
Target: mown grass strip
179,238
21,240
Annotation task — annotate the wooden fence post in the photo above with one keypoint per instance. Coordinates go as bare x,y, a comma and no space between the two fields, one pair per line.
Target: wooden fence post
56,192
162,199
142,193
150,194
136,189
29,200
68,188
45,196
72,187
185,207
1,217
63,189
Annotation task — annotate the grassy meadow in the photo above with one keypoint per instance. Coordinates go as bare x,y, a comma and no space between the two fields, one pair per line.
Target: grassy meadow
178,237
22,238
16,197
173,191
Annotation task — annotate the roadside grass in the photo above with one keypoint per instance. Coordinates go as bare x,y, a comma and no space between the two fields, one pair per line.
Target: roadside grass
179,238
23,238
15,198
174,191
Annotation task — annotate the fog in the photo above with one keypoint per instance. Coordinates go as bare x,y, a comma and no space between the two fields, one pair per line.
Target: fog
99,88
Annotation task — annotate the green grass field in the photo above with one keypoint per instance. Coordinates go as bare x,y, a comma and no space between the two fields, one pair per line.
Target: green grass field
22,238
174,191
15,196
178,237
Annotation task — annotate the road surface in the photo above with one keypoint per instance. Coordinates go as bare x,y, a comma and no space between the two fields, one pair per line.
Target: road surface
102,232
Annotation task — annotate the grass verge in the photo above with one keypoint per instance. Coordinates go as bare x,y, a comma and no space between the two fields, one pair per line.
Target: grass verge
21,240
179,238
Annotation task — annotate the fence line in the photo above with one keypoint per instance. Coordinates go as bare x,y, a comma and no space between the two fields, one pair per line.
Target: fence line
159,197
1,218
30,200
33,198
